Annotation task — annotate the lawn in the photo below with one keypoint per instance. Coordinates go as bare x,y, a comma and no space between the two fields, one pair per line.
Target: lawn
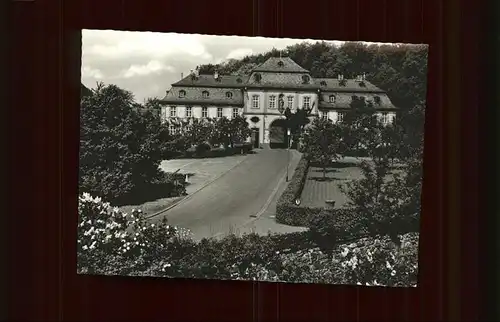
318,189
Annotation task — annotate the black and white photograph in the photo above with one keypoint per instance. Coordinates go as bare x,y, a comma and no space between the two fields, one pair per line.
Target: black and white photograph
250,158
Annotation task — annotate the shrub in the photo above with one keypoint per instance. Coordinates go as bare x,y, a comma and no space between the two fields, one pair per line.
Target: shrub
334,225
287,212
202,149
370,261
121,147
113,243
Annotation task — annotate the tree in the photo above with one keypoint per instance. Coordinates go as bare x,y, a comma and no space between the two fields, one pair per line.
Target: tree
392,206
239,130
222,132
198,131
321,143
121,147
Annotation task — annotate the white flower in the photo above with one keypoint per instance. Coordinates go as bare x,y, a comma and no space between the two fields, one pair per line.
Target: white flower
85,247
345,252
116,209
388,265
393,272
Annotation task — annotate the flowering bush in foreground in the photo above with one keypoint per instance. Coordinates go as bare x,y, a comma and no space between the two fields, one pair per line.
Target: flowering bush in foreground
113,243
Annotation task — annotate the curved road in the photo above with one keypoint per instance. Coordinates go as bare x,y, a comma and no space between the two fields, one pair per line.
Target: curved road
228,202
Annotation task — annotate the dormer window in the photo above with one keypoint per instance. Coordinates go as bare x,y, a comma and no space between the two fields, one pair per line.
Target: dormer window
205,94
362,84
305,79
257,78
280,64
323,83
342,82
377,100
331,98
182,93
229,95
239,81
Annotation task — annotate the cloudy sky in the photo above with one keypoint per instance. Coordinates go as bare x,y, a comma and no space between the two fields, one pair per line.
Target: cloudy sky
146,63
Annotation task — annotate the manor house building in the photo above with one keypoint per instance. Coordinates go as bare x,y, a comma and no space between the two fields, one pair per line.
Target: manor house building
258,95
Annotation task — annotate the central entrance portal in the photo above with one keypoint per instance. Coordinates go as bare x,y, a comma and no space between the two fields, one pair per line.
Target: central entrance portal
278,134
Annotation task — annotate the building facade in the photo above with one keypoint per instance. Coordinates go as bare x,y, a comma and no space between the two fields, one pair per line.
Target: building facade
258,96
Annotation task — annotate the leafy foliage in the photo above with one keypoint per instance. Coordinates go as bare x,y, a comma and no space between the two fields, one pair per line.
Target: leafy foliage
400,70
121,147
321,143
114,243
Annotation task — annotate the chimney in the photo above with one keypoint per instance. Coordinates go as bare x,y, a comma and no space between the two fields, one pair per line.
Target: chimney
216,75
364,77
340,77
182,75
192,72
167,91
197,71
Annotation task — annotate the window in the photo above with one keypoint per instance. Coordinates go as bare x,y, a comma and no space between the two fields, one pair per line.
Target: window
290,102
307,102
280,63
331,98
257,78
219,112
172,129
340,116
204,111
235,112
189,111
255,101
205,94
272,102
305,79
324,115
384,118
182,93
173,111
229,95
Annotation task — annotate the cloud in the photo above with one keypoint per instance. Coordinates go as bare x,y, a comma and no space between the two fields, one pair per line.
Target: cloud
109,44
239,53
153,67
147,63
90,72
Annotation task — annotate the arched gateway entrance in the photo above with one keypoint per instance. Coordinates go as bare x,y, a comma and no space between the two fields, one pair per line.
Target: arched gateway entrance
278,134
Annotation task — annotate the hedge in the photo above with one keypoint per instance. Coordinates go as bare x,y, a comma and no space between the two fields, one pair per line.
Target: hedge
114,243
287,212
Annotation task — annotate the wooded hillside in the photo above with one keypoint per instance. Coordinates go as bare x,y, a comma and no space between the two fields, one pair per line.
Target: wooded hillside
401,70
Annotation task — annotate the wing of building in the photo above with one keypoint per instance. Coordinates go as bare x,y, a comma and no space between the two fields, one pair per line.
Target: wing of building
256,96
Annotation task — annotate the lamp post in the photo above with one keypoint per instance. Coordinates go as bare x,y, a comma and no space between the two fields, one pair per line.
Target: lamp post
281,109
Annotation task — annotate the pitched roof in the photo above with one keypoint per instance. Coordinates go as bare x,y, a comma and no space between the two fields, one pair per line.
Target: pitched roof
273,65
227,81
194,95
351,85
